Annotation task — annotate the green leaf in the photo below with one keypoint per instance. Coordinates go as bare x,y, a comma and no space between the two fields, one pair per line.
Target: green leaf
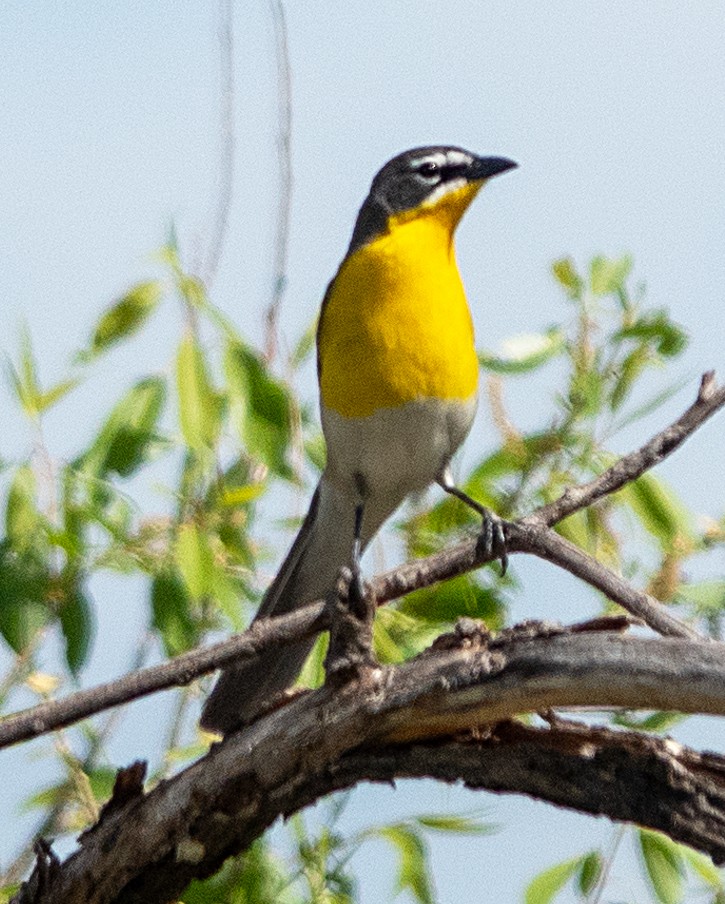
25,381
607,276
25,584
305,346
652,404
48,398
661,721
659,509
171,613
313,671
51,796
628,371
708,597
459,825
22,518
316,451
565,273
193,291
236,496
590,870
544,887
76,622
704,867
656,328
576,529
413,873
26,384
586,393
510,460
254,877
101,781
397,636
226,592
195,559
126,316
453,599
200,406
664,865
525,352
128,436
261,407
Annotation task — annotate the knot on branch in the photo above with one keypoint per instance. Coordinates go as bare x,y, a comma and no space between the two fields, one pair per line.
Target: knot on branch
468,634
351,614
128,786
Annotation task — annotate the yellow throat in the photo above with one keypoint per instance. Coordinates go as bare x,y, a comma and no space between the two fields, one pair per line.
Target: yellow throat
396,326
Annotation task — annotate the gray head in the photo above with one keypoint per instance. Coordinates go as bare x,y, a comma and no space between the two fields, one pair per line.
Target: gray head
419,178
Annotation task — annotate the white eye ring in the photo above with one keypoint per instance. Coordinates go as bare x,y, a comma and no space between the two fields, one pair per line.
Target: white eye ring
429,169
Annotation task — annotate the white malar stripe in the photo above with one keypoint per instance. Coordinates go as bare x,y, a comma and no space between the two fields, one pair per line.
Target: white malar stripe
444,189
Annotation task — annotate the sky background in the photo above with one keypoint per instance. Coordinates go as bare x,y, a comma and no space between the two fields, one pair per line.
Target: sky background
110,125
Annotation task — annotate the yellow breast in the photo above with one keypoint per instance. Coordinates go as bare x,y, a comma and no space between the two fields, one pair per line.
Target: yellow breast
396,326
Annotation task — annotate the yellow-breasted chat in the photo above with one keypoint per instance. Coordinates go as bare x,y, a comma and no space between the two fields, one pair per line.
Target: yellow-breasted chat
398,377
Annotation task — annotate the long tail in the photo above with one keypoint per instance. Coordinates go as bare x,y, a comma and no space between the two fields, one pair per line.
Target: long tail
322,546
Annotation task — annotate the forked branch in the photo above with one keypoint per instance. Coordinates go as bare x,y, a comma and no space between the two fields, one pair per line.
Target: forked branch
420,719
531,534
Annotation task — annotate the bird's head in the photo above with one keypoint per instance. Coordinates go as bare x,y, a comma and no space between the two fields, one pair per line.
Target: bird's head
437,180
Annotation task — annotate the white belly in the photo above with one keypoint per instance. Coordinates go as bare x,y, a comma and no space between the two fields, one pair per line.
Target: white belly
395,451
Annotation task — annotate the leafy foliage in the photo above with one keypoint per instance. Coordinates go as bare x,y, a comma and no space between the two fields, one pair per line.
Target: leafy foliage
227,424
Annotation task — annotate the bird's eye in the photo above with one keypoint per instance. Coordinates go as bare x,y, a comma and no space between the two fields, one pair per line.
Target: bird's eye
429,169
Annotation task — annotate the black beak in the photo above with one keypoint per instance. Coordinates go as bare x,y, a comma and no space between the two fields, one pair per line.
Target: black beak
486,167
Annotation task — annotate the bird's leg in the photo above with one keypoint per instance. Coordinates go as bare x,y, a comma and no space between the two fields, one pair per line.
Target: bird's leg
352,609
492,539
357,587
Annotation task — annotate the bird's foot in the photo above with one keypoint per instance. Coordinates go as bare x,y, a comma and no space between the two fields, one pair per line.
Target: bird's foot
492,539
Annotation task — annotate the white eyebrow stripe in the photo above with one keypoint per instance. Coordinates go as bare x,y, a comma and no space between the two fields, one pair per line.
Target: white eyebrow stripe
439,158
457,158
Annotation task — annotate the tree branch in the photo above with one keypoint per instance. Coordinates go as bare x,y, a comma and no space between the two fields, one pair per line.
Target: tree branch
531,534
548,545
710,399
406,721
284,160
227,143
181,670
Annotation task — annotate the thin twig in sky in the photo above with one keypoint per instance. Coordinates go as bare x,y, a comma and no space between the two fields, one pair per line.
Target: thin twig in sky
227,142
284,160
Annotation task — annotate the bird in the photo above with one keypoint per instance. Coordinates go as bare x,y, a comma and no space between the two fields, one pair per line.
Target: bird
398,379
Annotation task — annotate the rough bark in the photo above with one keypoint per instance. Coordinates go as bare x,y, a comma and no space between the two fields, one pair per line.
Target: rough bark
446,714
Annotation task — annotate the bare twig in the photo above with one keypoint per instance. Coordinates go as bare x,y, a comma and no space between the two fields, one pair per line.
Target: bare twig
527,535
596,893
546,544
49,824
284,159
264,635
710,399
228,142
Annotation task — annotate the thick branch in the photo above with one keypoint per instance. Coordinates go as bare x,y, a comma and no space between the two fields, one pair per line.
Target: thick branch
529,534
148,848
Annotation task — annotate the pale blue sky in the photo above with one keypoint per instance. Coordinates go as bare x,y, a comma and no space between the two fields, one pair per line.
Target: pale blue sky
110,132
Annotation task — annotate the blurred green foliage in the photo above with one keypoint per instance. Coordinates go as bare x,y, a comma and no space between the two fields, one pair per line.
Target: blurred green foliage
229,424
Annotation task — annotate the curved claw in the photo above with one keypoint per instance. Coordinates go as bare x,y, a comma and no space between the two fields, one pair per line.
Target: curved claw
492,539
